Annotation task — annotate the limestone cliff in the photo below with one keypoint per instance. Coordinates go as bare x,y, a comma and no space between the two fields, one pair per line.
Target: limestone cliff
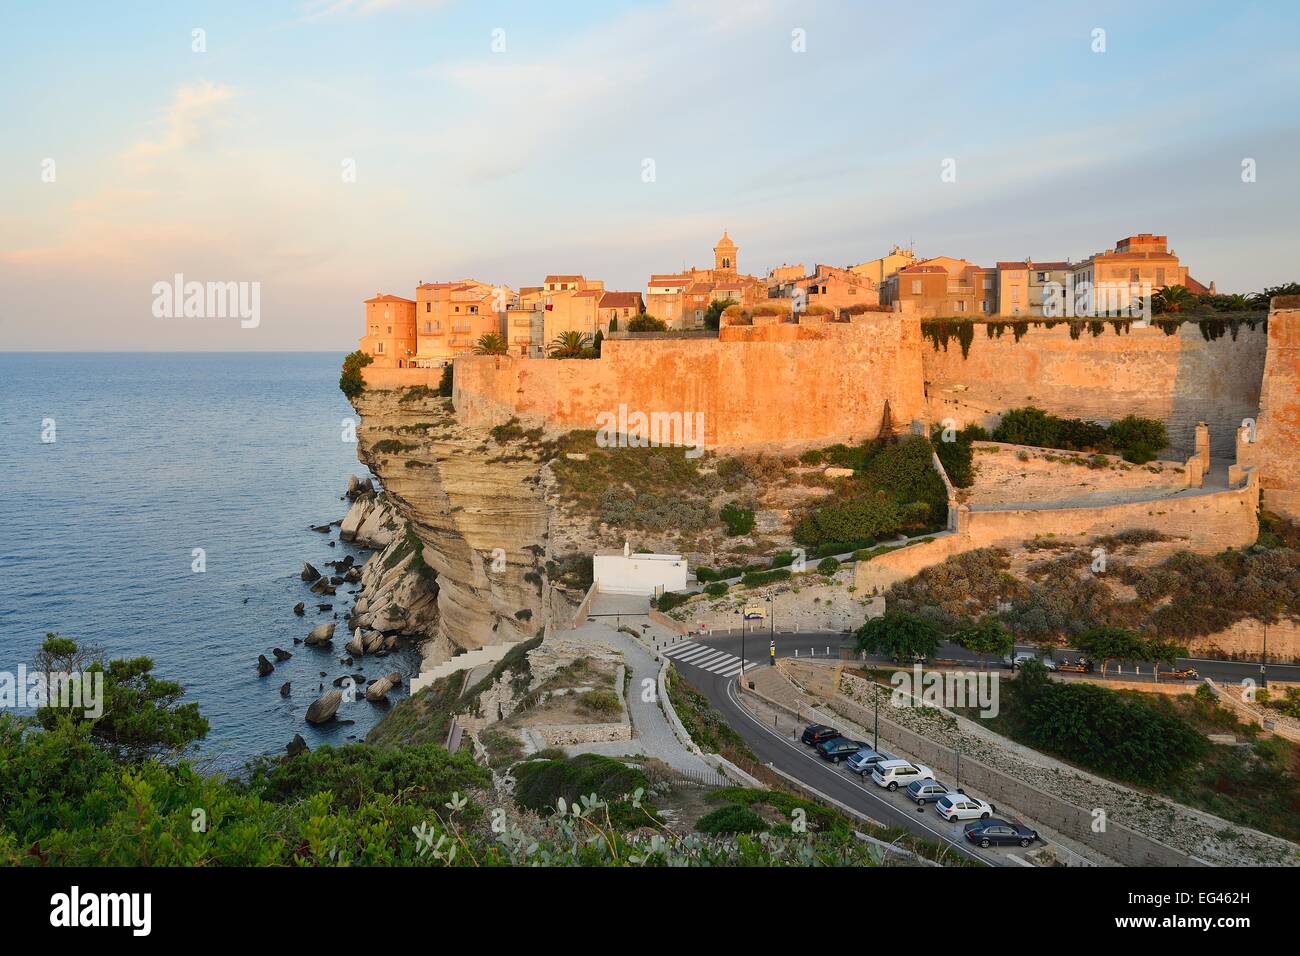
473,523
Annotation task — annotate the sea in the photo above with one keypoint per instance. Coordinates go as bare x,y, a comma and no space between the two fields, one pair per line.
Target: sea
162,505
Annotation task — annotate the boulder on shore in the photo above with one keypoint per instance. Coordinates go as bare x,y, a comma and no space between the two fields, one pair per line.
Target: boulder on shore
324,707
380,688
356,647
309,573
285,689
264,666
320,634
297,746
280,655
300,609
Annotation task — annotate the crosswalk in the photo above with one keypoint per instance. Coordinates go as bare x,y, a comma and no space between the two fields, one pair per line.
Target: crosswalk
707,658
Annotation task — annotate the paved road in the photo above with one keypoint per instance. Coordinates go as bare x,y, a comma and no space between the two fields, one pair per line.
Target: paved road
712,671
756,648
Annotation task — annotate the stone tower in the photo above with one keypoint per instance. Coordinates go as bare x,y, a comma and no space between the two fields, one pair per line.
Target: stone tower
724,255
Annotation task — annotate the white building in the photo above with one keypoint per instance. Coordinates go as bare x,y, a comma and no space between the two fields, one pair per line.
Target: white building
622,572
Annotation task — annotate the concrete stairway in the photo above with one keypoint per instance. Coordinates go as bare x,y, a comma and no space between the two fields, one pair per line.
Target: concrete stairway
461,662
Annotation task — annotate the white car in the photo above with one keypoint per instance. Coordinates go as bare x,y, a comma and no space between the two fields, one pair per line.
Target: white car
959,806
892,774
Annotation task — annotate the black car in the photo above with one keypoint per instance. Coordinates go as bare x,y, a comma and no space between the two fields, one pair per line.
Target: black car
839,748
815,734
999,833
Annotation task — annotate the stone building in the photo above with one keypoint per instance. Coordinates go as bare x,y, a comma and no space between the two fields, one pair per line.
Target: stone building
390,337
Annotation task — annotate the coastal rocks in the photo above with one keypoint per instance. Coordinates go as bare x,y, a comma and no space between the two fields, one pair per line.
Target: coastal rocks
300,609
285,689
370,521
322,586
297,746
357,486
323,708
264,666
309,573
280,655
356,647
320,635
380,688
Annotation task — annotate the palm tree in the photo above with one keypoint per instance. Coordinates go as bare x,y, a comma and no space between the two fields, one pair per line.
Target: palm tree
1173,298
490,344
570,344
1235,302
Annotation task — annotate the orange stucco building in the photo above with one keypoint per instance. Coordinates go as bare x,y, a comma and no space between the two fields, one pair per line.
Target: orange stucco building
390,337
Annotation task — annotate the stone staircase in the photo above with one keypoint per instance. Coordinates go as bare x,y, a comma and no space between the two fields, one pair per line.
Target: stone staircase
461,662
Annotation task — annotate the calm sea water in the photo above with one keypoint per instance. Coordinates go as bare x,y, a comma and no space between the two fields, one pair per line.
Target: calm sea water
156,455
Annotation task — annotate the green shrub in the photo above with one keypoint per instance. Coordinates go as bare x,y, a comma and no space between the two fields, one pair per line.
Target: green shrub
350,381
445,383
738,519
716,589
753,579
828,566
857,519
671,599
732,818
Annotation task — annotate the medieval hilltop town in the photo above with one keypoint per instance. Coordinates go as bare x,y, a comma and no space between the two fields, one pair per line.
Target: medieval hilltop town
923,437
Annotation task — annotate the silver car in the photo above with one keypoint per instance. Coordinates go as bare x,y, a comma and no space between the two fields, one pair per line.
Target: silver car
865,760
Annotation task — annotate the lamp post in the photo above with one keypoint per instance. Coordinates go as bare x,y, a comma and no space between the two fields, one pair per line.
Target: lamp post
1263,665
741,612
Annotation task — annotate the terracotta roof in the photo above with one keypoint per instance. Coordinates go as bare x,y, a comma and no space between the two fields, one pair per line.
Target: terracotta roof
1013,265
385,297
549,279
913,269
729,286
583,293
1195,287
438,285
620,300
699,288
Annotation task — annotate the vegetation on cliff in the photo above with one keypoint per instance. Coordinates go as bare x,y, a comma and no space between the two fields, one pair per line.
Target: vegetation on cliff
1183,596
895,489
350,381
1138,440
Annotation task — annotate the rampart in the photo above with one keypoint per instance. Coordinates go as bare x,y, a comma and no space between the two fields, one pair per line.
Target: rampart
1180,379
788,384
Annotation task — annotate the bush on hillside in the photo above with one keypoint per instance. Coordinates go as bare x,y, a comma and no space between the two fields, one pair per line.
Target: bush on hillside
350,381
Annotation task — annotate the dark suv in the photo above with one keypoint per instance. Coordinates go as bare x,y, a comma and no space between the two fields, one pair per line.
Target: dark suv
815,734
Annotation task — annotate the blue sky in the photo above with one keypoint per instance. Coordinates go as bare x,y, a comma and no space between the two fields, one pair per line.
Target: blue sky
226,165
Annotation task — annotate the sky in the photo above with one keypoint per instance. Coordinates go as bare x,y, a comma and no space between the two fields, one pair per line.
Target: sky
320,151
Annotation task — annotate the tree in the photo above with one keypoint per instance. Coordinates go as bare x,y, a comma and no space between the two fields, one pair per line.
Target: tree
646,323
570,345
1108,644
351,383
613,323
900,635
140,715
445,383
597,342
490,344
1173,298
713,314
988,636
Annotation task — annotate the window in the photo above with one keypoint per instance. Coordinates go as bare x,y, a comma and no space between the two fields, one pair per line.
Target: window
916,287
1133,275
1042,276
1015,293
1160,278
379,347
428,327
428,306
988,284
390,330
984,305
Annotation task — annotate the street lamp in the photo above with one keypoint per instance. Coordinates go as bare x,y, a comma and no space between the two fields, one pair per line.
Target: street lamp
741,612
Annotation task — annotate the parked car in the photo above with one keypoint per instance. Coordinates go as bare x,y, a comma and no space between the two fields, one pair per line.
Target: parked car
891,774
928,791
864,761
959,806
1019,657
993,832
815,734
839,748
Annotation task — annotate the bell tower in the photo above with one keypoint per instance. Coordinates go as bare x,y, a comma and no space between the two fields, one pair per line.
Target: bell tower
724,255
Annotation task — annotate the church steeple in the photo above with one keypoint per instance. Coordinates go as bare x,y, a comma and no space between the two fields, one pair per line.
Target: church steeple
724,255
